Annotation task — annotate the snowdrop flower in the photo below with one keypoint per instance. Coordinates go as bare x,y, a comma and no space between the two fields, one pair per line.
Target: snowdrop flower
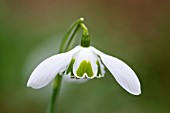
84,63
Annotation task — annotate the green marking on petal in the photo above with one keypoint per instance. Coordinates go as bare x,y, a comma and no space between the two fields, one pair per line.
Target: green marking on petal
85,67
70,67
99,72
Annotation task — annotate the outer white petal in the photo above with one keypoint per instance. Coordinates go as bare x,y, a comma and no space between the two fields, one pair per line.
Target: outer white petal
88,55
124,75
49,68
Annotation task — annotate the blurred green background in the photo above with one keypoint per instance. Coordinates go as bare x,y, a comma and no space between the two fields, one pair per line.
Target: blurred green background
136,31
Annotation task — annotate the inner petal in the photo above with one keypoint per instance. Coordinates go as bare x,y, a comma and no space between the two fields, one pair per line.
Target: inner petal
85,68
101,70
85,64
70,68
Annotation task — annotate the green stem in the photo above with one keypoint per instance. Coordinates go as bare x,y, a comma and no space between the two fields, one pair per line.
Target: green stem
84,27
71,38
63,47
55,93
66,37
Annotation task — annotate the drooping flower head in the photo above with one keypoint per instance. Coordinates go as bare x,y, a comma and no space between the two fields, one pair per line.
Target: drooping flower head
84,62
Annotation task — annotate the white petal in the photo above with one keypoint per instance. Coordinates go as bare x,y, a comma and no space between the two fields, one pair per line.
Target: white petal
101,68
46,71
124,75
87,55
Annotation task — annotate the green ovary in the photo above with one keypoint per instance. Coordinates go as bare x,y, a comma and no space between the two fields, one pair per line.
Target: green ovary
85,67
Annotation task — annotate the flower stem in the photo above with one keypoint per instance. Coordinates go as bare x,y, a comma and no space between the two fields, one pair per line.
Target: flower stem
70,33
71,38
84,27
63,47
85,40
55,93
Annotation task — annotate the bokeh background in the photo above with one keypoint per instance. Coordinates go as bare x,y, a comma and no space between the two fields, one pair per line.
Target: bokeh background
136,31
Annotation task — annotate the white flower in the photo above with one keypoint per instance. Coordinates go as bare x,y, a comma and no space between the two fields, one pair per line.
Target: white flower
87,63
